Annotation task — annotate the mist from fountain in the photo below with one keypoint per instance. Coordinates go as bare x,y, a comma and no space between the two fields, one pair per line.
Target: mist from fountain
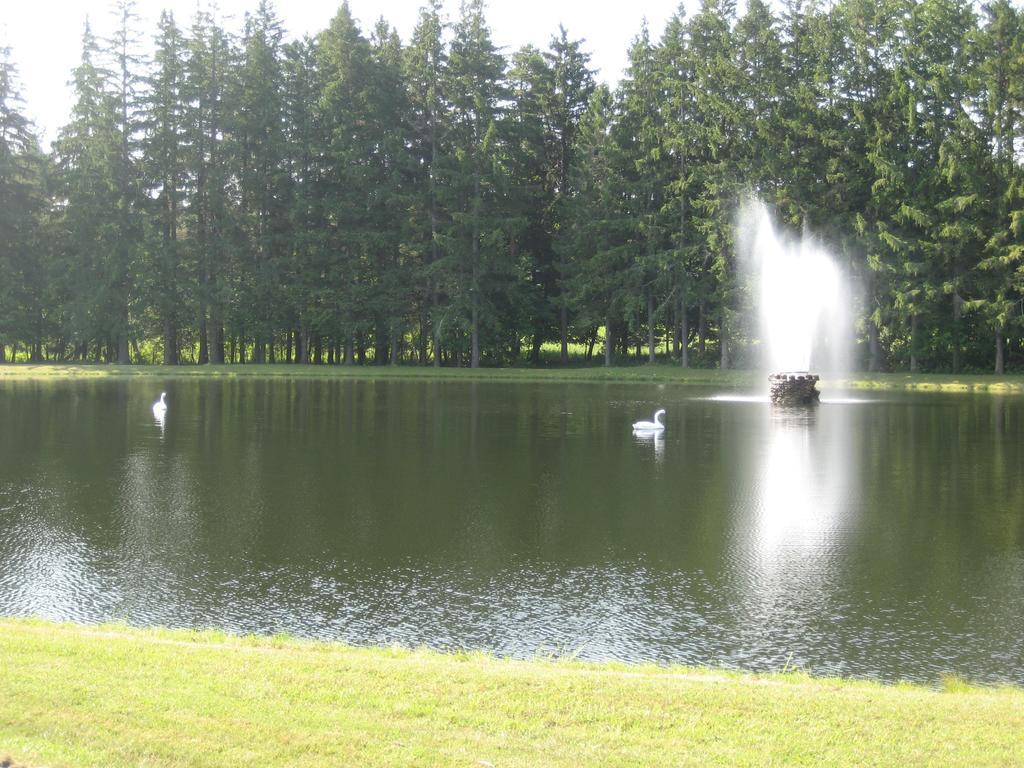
803,299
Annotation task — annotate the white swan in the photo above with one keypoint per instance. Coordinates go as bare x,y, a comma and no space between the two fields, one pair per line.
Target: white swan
657,424
160,407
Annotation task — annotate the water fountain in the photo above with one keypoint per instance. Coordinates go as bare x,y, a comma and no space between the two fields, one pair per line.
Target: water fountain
801,303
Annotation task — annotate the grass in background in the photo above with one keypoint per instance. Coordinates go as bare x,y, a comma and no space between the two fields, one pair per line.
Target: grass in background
113,696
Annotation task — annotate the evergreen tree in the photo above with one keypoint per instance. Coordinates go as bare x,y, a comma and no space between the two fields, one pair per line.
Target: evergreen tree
344,60
532,189
648,169
308,299
675,66
262,181
24,270
426,60
874,116
476,242
208,109
999,100
121,262
718,178
572,83
599,228
88,152
165,154
391,195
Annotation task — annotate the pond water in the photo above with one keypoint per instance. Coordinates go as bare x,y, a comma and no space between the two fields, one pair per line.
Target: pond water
877,536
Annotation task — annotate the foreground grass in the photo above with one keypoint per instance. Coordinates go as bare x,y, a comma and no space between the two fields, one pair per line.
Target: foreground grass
113,696
657,373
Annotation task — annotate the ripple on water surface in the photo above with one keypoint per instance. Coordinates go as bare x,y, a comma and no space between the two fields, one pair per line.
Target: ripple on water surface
856,539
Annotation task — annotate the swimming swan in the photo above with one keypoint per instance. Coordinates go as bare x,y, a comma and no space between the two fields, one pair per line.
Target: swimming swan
160,407
651,425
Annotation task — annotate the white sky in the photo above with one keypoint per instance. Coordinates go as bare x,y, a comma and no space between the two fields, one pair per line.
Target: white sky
45,35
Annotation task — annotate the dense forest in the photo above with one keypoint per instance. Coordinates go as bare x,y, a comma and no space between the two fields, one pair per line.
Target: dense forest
234,196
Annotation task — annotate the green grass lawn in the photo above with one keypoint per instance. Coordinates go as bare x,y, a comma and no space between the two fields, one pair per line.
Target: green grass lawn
661,373
113,696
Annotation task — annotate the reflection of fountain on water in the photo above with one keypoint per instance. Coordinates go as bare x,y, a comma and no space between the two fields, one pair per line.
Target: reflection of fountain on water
803,309
789,551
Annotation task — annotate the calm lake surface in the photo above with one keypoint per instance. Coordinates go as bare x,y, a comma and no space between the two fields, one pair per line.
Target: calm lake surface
876,536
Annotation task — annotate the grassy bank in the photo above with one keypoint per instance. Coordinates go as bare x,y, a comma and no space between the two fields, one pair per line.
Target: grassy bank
113,696
658,373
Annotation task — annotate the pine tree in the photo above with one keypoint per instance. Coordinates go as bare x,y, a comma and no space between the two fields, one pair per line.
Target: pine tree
262,181
426,59
121,263
24,268
345,65
999,100
531,168
476,86
165,153
88,151
676,72
648,168
873,114
718,181
304,139
208,109
390,196
599,226
573,85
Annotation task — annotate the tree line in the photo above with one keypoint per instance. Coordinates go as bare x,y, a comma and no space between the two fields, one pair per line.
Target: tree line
233,196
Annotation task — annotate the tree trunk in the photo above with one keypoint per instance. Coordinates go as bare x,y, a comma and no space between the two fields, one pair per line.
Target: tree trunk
123,357
702,328
170,341
563,330
684,336
956,333
217,351
436,325
913,342
301,344
652,352
204,338
874,348
3,353
723,339
609,340
474,360
1000,350
422,340
535,348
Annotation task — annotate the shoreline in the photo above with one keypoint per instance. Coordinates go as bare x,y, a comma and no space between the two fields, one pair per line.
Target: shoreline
112,695
639,374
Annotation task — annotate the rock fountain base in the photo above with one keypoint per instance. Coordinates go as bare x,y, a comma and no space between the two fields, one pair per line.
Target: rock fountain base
793,388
